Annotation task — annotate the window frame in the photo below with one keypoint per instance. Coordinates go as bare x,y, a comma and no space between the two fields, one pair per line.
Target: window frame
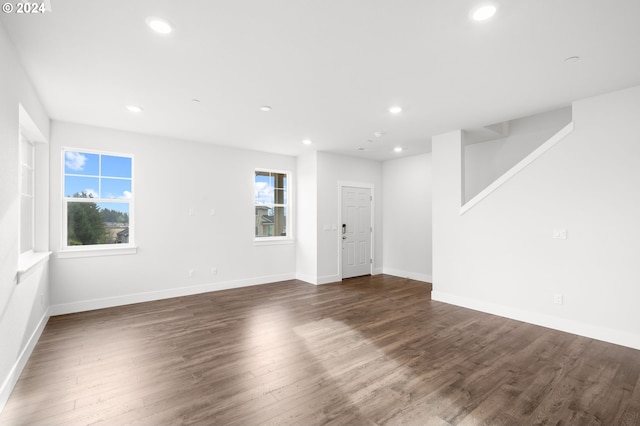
67,250
276,239
31,195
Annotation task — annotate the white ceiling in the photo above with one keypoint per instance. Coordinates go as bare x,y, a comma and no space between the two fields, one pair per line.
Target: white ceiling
330,69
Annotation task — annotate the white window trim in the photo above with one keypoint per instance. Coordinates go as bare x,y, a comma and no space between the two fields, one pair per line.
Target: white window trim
97,250
277,240
30,260
67,251
32,191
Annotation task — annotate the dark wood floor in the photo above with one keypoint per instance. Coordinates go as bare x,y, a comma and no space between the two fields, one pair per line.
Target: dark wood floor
372,350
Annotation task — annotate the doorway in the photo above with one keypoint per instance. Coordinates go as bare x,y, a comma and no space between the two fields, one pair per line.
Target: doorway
356,231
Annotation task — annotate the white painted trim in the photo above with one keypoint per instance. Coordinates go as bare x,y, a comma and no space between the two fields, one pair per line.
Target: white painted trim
29,127
318,280
406,274
328,279
14,374
29,262
97,250
553,140
562,324
109,302
371,187
306,278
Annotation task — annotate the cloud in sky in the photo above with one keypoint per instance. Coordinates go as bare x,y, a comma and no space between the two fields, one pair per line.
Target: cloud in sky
263,193
126,195
74,160
91,193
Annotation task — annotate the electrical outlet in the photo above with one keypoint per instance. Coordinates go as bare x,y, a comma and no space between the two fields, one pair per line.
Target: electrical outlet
557,299
214,271
190,272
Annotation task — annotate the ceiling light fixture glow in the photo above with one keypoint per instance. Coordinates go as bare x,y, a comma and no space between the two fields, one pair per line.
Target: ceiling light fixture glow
307,142
159,25
395,110
397,149
134,108
483,11
265,108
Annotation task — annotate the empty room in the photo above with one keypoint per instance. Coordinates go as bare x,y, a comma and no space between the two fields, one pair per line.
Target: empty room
311,212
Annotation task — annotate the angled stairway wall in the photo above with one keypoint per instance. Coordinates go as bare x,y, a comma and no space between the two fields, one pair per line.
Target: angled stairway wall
501,257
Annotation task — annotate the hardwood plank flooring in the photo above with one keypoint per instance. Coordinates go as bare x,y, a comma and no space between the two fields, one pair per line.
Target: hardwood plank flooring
367,351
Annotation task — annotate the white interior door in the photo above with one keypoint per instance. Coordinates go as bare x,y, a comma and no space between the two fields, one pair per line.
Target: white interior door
356,231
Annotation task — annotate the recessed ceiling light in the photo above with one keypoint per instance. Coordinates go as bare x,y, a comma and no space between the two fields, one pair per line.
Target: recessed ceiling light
362,149
134,108
571,59
395,110
484,11
195,101
379,134
265,108
397,149
307,142
159,25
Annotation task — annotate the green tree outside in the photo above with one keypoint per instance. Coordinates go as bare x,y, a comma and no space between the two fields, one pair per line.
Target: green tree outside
85,225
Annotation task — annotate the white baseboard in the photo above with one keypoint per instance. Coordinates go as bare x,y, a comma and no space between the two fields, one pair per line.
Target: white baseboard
109,302
406,274
12,378
562,324
318,280
328,279
306,278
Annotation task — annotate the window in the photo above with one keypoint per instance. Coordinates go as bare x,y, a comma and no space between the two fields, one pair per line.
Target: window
271,204
27,194
97,198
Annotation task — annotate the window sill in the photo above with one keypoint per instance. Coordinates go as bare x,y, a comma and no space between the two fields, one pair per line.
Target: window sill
29,262
73,252
272,241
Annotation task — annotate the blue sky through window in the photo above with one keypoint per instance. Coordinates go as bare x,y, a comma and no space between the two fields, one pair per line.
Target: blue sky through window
264,188
99,176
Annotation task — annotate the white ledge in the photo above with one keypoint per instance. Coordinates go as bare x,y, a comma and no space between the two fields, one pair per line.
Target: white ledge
269,241
553,140
91,251
28,262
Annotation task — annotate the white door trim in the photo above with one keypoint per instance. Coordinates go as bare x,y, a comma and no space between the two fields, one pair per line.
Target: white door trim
370,186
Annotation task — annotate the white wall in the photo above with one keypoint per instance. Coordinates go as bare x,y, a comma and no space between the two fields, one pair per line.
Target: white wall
307,218
333,169
170,177
500,256
407,217
486,161
23,306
